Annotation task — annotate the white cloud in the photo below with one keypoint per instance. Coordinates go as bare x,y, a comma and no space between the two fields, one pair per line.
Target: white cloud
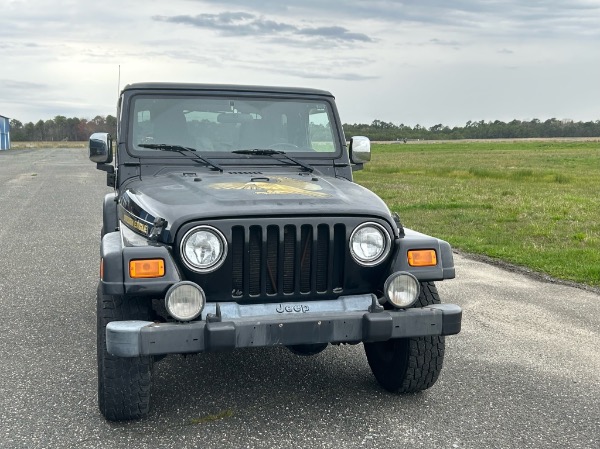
427,61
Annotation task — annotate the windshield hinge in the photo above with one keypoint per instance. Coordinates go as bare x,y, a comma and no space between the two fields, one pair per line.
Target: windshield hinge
111,177
110,169
398,224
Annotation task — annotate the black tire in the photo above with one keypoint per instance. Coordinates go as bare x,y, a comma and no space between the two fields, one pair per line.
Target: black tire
123,383
409,365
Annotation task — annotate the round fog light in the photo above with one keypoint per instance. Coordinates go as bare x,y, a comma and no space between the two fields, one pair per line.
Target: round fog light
402,289
184,301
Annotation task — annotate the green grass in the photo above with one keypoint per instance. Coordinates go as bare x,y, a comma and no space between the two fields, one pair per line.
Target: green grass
535,204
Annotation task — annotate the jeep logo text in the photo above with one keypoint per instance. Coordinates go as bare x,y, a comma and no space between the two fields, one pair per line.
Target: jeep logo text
298,308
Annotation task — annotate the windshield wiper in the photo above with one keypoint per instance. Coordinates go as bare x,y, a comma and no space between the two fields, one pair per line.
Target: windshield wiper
269,152
182,150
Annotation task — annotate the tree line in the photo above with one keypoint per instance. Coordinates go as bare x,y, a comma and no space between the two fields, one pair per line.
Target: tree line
62,128
78,129
379,130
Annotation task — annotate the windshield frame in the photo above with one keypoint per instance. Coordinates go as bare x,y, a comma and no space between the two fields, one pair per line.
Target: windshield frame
334,123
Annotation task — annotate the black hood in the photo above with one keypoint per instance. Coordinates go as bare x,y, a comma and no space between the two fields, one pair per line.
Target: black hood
180,197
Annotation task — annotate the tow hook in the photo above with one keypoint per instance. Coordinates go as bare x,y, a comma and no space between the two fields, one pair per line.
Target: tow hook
375,307
215,317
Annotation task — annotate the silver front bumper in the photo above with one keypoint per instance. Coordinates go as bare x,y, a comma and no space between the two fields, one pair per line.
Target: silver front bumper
231,325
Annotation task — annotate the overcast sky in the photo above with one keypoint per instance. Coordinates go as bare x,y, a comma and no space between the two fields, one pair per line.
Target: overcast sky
416,61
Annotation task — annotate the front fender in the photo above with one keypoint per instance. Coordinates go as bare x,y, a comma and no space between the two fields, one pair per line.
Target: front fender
415,240
110,222
116,257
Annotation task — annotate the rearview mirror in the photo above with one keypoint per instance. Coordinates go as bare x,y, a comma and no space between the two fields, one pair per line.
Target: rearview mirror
100,148
360,149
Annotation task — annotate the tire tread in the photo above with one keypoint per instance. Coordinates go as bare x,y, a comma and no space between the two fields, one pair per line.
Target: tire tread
124,384
416,362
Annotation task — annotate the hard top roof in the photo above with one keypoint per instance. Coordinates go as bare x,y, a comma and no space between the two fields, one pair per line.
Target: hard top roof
226,88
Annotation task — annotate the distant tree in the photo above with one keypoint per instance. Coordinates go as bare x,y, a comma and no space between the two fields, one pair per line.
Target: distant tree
380,130
29,131
74,128
39,131
15,125
111,125
60,125
71,131
16,129
50,130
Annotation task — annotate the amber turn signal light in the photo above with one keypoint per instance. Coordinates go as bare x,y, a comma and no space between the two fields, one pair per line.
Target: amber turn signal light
422,258
146,268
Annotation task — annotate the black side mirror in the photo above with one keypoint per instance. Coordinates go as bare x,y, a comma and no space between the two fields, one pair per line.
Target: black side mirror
100,148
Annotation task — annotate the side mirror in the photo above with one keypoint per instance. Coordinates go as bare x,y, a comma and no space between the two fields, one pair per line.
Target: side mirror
101,148
360,149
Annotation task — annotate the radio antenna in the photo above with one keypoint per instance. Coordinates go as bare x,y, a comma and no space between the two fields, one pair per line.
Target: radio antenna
119,82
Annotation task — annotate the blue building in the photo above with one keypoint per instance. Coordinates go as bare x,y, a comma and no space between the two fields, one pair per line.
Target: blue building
4,133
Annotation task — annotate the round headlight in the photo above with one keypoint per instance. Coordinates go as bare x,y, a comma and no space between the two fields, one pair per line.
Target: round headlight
369,244
402,289
184,301
203,249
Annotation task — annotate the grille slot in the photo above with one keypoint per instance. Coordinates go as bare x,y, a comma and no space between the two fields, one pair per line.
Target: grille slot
254,260
287,259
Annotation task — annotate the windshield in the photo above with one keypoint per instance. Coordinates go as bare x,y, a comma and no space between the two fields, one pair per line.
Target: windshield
228,124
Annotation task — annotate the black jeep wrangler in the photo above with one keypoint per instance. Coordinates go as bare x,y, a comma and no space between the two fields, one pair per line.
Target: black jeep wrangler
235,223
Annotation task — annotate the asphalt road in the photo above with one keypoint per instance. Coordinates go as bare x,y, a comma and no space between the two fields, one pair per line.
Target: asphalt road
524,372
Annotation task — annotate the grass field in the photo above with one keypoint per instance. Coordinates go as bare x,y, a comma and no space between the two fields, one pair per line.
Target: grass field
535,204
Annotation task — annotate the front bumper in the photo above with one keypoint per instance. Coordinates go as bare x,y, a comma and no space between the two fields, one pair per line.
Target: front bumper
138,338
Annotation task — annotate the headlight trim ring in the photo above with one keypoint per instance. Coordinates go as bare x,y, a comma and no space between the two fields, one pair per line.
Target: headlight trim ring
219,261
385,252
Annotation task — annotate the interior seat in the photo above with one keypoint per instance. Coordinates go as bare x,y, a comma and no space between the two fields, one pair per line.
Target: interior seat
170,127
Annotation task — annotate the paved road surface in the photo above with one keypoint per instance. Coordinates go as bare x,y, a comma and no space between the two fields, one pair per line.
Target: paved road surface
524,373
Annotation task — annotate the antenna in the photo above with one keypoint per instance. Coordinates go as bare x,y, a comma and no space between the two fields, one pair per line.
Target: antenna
119,82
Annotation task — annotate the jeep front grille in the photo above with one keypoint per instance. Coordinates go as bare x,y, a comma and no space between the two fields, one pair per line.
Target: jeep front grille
287,259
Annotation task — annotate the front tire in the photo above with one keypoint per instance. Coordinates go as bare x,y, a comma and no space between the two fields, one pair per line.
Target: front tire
409,365
123,382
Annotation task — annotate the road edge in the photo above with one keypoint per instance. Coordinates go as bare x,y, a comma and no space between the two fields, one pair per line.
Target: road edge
536,275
